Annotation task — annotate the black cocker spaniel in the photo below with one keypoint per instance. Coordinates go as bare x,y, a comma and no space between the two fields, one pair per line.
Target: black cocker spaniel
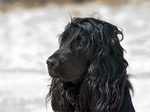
89,70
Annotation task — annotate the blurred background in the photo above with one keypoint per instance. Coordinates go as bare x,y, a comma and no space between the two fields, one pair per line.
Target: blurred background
28,36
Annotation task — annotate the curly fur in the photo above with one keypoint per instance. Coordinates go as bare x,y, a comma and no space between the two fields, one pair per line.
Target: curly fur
104,86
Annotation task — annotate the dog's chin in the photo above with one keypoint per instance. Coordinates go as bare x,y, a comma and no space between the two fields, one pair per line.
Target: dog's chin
53,75
74,81
65,78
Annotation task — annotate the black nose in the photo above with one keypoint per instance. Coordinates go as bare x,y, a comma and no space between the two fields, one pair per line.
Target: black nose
52,63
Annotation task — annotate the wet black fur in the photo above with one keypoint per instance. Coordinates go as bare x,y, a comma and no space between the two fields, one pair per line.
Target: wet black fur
91,76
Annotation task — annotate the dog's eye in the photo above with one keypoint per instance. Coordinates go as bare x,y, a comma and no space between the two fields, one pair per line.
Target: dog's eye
79,42
62,59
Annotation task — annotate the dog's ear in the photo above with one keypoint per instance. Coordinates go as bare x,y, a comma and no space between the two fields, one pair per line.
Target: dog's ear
107,50
108,39
106,77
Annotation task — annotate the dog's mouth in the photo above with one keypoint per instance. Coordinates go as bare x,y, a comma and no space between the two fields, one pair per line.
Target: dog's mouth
52,73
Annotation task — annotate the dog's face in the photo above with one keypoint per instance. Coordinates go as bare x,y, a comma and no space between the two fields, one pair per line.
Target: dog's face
82,42
69,62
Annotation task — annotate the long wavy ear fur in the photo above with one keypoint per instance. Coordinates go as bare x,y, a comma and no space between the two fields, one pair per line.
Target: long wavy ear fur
106,80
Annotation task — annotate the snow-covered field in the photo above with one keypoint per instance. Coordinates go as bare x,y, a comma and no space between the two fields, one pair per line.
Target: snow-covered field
28,37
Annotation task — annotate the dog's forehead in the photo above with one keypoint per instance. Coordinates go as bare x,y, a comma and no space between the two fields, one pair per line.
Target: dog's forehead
69,33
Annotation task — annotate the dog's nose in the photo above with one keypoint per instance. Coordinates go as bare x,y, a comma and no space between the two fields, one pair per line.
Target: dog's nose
52,63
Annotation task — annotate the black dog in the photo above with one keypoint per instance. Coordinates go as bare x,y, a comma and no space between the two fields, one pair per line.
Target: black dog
88,70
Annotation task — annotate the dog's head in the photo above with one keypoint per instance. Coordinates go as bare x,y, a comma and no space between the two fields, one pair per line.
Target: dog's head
84,42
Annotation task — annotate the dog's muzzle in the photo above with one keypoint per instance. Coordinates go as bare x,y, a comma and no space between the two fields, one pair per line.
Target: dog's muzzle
52,65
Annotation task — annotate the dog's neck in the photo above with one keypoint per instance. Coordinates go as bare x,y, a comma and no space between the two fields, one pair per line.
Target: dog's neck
71,93
72,96
70,85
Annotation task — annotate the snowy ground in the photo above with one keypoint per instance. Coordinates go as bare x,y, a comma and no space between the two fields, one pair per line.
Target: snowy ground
28,37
